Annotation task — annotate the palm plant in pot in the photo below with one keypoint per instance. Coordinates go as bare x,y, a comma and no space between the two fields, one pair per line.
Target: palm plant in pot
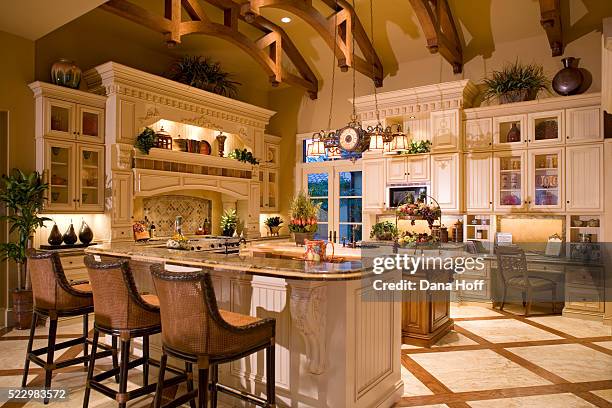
229,222
273,224
304,216
23,196
516,82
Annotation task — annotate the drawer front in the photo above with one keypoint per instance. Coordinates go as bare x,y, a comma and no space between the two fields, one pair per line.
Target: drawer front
483,293
478,273
581,298
73,262
584,276
79,274
542,267
122,234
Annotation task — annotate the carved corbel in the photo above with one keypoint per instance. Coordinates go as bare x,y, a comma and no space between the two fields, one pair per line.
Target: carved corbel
308,305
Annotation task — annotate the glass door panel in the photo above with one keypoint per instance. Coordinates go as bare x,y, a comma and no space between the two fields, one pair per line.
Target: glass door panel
91,124
510,183
545,178
60,167
91,177
318,190
262,203
272,189
349,201
59,119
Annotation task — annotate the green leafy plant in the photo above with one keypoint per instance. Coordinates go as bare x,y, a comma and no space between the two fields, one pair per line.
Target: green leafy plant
422,146
243,156
273,222
303,213
23,196
229,221
516,82
205,74
146,140
384,231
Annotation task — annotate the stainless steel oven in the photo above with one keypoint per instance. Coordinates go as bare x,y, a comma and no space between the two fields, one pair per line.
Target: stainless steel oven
398,194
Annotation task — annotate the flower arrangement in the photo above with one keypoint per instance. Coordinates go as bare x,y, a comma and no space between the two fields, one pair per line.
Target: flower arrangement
423,146
243,156
419,210
273,224
415,238
384,231
229,222
303,214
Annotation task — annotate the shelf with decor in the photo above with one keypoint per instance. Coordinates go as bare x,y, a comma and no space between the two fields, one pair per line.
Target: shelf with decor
585,236
479,227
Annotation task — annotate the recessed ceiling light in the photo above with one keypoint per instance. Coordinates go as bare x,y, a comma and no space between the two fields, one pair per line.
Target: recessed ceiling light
286,19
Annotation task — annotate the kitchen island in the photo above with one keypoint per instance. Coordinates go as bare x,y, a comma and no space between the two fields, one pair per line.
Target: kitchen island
338,342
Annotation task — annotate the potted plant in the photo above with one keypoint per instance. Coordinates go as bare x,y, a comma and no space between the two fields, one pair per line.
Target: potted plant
303,214
273,224
146,140
205,74
384,231
243,156
229,221
516,82
23,197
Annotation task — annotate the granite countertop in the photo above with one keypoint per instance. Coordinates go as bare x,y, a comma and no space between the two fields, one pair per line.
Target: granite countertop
244,262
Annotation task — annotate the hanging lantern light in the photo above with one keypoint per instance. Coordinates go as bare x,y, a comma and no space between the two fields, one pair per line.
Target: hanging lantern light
400,140
377,136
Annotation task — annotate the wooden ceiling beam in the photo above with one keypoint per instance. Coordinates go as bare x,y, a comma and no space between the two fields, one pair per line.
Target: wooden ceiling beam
345,20
267,51
440,30
550,18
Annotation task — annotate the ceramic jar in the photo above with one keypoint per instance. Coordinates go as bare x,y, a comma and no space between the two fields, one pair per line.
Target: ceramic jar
70,236
55,236
85,233
66,73
569,80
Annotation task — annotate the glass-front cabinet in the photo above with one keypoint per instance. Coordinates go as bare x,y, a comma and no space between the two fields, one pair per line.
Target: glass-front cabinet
510,179
90,124
75,173
545,128
510,132
545,179
73,121
268,196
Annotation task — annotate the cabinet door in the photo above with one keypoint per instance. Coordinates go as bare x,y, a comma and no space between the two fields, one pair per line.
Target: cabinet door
253,208
583,125
90,124
90,195
445,180
60,166
373,184
272,154
418,168
445,130
545,128
59,119
397,170
510,132
546,179
479,182
510,171
272,189
121,202
263,197
584,186
478,134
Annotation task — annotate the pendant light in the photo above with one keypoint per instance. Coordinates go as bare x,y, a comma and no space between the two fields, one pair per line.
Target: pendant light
400,141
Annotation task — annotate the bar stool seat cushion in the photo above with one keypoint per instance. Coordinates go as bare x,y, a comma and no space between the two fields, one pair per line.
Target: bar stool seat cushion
534,281
151,299
237,319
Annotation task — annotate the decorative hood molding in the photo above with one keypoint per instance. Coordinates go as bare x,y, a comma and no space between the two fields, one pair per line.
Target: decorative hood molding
113,78
446,95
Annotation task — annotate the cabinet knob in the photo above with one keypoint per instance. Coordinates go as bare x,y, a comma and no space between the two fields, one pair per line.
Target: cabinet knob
567,201
490,202
529,140
524,141
567,137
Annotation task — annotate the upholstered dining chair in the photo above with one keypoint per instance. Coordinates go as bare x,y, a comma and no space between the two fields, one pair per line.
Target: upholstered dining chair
512,266
55,297
196,331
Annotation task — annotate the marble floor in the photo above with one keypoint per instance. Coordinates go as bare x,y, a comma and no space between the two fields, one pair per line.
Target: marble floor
490,359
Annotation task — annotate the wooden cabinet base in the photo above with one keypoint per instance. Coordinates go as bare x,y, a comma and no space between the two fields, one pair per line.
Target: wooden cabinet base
429,339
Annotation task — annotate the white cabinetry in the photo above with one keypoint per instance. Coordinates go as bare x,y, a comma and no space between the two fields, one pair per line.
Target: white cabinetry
584,171
583,125
268,175
510,173
446,177
479,182
478,134
545,128
546,179
373,184
510,132
414,168
445,130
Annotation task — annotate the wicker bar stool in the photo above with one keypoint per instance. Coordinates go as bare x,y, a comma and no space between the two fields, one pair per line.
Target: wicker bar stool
120,311
196,331
55,297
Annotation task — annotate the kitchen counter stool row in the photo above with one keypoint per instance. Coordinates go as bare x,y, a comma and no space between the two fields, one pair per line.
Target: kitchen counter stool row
193,330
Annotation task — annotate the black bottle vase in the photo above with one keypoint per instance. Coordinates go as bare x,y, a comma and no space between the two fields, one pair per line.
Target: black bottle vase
55,236
85,233
70,237
569,80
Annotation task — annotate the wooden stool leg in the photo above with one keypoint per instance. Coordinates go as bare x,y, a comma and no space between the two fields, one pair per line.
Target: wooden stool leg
160,381
554,299
26,367
50,352
202,387
503,303
115,357
189,371
90,369
271,375
123,370
145,356
213,385
528,306
85,331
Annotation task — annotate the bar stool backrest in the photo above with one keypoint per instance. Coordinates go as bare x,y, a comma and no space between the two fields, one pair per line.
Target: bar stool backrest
117,304
51,290
511,262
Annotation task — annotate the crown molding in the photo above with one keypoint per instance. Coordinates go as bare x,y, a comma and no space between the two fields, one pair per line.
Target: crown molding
68,94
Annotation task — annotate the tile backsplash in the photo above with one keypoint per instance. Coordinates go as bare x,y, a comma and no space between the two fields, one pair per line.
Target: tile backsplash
164,209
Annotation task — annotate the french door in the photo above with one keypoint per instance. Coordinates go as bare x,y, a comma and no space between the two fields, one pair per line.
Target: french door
339,191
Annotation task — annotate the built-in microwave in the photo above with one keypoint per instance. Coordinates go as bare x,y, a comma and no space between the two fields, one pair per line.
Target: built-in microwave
397,194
